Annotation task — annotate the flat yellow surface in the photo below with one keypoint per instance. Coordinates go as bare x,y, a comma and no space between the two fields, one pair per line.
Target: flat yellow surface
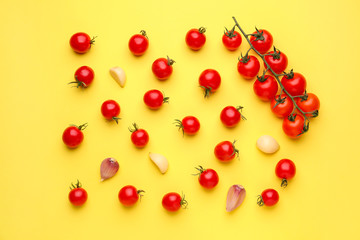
321,40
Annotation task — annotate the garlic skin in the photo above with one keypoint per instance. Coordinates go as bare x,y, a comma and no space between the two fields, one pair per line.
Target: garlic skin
267,144
160,161
235,197
108,168
118,74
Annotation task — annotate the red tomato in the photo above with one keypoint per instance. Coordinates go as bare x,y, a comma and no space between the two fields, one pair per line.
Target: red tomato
73,136
173,202
110,109
139,43
262,40
195,38
129,195
277,61
77,195
231,39
266,87
225,151
309,103
208,178
294,125
269,197
248,67
139,137
162,68
189,125
154,99
294,83
83,76
286,170
81,42
282,106
230,116
210,81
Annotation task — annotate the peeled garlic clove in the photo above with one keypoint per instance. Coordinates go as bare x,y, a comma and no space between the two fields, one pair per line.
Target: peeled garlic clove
119,75
267,144
108,168
235,197
160,161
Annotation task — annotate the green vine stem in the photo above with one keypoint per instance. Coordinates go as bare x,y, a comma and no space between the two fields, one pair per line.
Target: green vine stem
262,56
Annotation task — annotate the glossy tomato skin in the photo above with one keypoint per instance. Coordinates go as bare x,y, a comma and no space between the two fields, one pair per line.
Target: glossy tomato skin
72,136
191,125
172,201
262,46
267,89
208,178
128,195
195,38
140,138
270,197
81,42
295,83
293,128
311,103
225,151
110,109
210,80
285,169
84,75
154,99
78,196
282,110
230,116
232,41
162,68
138,44
248,69
277,65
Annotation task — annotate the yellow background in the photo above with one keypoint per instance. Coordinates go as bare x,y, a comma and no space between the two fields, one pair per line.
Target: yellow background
321,40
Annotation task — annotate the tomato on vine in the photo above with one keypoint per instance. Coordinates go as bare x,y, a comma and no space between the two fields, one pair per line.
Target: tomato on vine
309,103
231,116
226,151
262,40
294,83
268,197
81,42
173,201
286,170
195,38
277,61
84,76
77,195
294,126
266,87
139,43
208,178
210,81
110,109
139,137
129,195
231,39
189,125
73,136
162,68
248,66
282,106
154,99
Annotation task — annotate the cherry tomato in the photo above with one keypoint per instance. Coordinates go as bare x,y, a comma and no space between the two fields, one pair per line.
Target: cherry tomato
208,178
195,38
268,197
231,39
231,116
73,136
189,125
266,87
162,68
129,195
210,81
225,151
248,67
294,83
309,103
262,40
110,109
139,43
81,42
282,106
293,126
77,195
277,61
173,202
83,76
286,170
154,99
139,137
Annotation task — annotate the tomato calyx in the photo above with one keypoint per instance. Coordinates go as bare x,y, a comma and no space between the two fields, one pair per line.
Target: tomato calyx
77,185
259,35
170,61
207,91
230,34
116,119
78,83
290,75
139,192
166,100
200,169
244,59
276,54
80,127
279,100
236,151
179,125
202,30
143,32
262,78
92,41
136,128
260,201
284,183
183,202
239,109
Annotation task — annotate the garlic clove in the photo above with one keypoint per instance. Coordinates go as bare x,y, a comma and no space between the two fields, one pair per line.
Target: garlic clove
267,144
160,161
118,74
235,197
108,168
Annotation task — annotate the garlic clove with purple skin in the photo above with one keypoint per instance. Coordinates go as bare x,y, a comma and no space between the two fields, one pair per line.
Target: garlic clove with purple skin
235,197
108,168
